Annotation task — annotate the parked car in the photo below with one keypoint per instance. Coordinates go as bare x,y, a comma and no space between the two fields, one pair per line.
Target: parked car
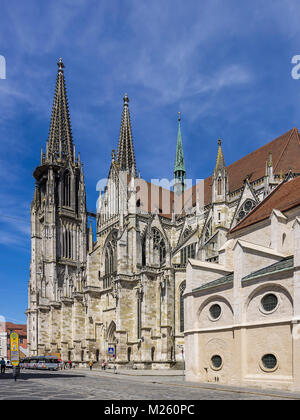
8,364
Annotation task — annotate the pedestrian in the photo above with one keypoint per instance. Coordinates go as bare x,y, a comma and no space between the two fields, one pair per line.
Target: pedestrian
103,365
3,365
70,364
91,364
16,372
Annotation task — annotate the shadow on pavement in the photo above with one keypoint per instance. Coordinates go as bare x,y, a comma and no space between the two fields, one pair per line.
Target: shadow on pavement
25,375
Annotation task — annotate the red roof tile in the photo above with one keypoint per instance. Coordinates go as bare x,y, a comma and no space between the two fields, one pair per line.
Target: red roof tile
284,197
285,155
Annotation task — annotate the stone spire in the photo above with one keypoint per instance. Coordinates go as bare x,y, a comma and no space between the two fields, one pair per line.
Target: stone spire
220,177
179,169
126,157
60,142
220,158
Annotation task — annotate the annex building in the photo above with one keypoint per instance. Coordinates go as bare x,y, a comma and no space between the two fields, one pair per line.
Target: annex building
243,313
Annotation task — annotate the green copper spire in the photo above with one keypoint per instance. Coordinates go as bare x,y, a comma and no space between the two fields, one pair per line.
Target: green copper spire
179,161
179,169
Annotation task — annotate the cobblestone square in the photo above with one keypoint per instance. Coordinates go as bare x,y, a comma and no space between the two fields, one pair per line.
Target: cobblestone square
97,385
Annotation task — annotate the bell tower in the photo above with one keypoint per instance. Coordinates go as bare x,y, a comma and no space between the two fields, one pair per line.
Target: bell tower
58,222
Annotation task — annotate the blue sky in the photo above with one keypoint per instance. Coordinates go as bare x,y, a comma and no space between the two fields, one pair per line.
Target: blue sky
226,65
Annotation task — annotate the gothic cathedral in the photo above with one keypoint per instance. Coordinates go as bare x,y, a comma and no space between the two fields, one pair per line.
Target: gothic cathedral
123,288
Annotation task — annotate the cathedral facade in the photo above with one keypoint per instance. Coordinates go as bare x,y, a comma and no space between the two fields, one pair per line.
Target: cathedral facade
122,287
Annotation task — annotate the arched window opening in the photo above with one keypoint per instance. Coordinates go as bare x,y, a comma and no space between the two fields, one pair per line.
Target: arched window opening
129,354
219,186
67,189
139,317
144,251
70,245
283,238
66,246
110,262
159,245
106,262
187,252
111,337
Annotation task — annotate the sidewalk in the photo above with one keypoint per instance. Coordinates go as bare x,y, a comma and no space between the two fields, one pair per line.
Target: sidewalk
174,378
142,372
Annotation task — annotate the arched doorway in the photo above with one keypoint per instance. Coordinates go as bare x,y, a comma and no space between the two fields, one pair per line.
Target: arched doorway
111,337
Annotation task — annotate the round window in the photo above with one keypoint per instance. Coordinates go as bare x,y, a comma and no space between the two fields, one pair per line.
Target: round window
215,311
216,361
269,361
248,205
242,214
269,302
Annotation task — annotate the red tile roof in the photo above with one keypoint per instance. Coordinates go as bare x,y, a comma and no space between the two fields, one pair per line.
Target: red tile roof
21,329
284,197
285,155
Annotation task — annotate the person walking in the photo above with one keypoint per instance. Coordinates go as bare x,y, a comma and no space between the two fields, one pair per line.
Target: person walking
16,372
91,364
3,365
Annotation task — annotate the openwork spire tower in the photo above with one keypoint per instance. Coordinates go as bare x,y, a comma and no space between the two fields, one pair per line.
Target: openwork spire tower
60,142
126,156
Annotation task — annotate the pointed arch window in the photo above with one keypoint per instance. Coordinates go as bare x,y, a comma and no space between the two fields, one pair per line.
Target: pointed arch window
187,252
144,251
110,262
159,245
139,316
66,196
219,186
67,243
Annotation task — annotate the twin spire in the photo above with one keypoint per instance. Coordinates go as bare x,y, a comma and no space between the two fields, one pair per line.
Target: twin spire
126,156
60,141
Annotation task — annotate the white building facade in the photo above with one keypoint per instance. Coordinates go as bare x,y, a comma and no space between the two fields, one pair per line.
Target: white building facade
242,318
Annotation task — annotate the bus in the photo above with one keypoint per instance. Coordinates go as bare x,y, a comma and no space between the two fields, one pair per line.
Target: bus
40,362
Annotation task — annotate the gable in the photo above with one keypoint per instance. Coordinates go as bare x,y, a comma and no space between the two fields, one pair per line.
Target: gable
285,154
